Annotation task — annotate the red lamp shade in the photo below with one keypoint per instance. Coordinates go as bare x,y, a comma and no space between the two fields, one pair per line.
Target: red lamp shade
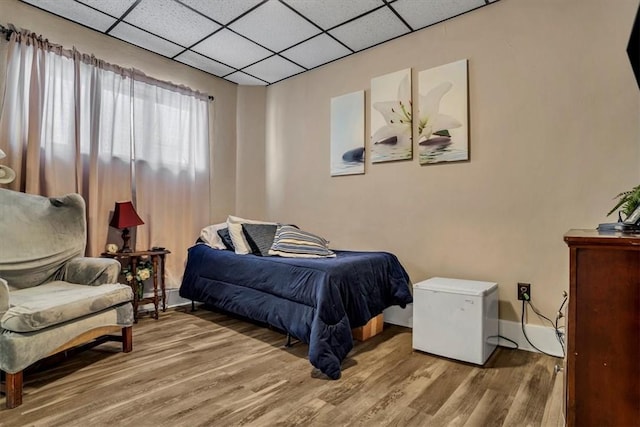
125,216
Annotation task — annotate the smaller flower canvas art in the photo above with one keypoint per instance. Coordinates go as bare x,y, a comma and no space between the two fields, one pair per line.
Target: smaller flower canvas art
347,134
443,131
391,122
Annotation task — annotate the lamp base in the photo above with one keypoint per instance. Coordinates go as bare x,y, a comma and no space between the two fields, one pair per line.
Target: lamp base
125,241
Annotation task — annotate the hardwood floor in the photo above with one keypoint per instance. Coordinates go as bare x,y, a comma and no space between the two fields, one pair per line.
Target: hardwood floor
209,369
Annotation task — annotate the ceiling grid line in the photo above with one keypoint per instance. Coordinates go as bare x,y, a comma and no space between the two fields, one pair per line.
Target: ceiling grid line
324,31
122,16
399,17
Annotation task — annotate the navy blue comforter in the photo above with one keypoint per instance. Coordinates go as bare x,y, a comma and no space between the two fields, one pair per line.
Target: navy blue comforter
317,301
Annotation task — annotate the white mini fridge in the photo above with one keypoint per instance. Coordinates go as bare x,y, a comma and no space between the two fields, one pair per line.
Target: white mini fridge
456,318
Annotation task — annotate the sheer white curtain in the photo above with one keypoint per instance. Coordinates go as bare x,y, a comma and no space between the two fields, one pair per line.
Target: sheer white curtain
58,126
171,170
68,124
103,100
38,117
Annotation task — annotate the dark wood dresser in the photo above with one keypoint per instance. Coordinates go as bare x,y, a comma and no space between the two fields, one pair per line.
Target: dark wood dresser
603,329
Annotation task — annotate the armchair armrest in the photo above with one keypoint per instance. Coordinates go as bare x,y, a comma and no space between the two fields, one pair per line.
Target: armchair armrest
92,271
4,296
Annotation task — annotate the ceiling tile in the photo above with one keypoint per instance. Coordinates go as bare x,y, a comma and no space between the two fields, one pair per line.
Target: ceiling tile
143,39
371,29
76,12
329,13
113,7
202,63
273,69
231,49
223,11
257,29
419,14
317,51
171,20
244,79
274,26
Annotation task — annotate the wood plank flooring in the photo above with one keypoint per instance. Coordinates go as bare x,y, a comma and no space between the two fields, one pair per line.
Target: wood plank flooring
210,369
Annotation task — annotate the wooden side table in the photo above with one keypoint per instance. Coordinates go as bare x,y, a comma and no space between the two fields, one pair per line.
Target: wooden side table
157,257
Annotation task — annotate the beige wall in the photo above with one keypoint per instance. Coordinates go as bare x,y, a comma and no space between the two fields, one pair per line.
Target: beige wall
554,131
223,109
250,183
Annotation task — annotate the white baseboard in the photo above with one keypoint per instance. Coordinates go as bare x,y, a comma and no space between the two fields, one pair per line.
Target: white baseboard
173,298
542,337
399,316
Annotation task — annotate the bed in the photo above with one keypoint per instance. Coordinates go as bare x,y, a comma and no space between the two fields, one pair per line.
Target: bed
317,301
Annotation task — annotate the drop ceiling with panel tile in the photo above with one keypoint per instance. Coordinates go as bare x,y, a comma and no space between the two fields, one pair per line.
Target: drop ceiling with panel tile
256,42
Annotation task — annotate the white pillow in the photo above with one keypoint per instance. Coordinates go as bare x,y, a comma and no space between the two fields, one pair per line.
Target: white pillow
234,224
209,235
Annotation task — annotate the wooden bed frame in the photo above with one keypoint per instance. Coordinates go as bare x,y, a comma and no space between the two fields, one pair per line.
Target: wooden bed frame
371,329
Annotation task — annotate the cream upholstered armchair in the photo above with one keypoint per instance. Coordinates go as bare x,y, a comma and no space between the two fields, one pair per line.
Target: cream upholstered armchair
51,297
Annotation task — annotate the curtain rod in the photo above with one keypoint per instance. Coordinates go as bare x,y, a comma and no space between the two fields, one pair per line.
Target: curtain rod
134,72
8,31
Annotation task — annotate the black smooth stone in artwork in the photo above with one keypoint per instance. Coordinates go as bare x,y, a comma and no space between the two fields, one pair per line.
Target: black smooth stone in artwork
355,155
438,140
392,140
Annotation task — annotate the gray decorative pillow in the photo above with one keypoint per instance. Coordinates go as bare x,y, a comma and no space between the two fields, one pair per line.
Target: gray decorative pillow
226,238
260,237
295,243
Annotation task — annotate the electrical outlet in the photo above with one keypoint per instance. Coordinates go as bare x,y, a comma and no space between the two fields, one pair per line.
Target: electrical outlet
524,291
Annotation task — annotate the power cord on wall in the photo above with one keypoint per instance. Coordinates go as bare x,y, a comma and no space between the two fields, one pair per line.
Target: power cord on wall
559,334
559,315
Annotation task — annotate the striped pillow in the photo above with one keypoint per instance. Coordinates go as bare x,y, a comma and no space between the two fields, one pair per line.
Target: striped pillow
292,242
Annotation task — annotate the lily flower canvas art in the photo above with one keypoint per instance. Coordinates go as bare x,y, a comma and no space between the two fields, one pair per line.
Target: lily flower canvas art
443,134
391,117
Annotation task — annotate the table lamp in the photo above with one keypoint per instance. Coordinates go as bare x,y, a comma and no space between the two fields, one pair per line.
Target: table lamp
125,216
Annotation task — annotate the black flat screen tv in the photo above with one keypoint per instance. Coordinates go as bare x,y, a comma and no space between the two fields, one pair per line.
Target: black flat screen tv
633,49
